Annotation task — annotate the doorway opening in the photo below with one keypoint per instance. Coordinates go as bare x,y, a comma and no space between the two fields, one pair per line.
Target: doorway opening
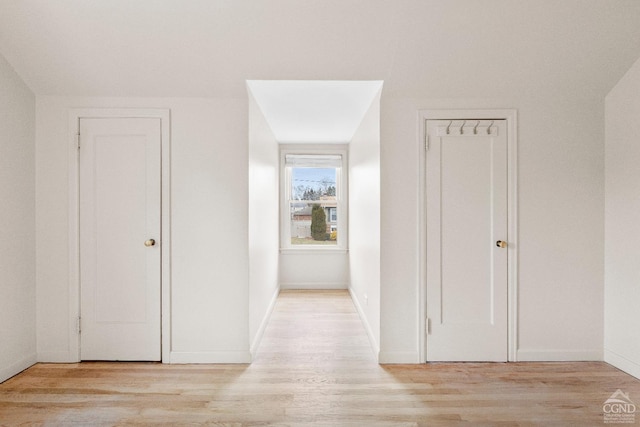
304,128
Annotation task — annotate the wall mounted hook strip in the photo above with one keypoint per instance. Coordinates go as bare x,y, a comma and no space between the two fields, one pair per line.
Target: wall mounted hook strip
489,128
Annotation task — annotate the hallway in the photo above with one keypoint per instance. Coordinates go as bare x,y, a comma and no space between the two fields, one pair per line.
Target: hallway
313,328
314,368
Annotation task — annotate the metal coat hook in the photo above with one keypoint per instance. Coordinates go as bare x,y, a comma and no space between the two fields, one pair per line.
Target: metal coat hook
448,131
475,128
489,128
462,127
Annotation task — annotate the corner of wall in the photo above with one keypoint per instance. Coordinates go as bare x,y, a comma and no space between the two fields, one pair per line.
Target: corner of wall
16,367
629,366
18,243
375,345
263,222
255,343
364,261
622,233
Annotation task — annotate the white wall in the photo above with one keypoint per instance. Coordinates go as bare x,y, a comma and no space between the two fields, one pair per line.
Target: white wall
561,194
210,268
17,224
264,222
364,221
622,228
561,175
308,269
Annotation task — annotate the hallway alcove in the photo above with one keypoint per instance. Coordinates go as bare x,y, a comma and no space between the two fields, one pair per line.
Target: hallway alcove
314,115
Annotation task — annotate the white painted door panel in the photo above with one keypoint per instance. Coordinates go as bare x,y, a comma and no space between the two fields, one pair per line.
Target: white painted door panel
466,210
120,210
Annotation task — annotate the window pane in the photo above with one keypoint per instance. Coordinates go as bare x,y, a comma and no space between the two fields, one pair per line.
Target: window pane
313,206
313,183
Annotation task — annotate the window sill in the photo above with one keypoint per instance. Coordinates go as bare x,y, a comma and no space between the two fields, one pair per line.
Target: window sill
313,251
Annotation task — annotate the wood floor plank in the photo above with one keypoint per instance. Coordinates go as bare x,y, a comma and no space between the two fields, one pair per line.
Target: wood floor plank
315,367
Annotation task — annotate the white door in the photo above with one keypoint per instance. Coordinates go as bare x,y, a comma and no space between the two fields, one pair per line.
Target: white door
466,186
120,238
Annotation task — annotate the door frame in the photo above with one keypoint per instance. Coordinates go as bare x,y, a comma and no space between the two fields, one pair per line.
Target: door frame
74,219
510,115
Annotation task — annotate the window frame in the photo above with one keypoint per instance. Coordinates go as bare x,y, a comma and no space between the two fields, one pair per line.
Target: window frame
341,196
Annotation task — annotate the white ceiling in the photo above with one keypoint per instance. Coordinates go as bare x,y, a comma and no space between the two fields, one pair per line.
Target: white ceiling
326,111
419,48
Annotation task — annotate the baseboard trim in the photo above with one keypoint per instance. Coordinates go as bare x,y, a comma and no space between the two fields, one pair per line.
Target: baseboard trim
622,363
315,286
263,325
399,357
57,357
17,367
184,357
559,355
367,327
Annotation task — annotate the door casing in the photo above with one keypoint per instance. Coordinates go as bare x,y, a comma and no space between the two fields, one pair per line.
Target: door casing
74,220
510,115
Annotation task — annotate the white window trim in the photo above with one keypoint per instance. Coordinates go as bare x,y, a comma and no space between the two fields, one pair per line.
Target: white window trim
342,198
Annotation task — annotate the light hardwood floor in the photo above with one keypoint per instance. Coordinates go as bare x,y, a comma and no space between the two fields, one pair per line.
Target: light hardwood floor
314,368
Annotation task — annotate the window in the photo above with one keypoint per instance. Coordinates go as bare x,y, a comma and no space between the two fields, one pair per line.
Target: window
332,214
313,196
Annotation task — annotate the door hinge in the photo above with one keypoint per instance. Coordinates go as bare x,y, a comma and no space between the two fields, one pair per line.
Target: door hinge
79,324
78,140
427,326
426,141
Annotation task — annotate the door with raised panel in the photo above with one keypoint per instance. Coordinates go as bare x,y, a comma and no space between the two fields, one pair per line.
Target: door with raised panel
120,183
466,208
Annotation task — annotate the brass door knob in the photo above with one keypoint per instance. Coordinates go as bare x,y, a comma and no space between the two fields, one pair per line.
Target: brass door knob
149,243
501,244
